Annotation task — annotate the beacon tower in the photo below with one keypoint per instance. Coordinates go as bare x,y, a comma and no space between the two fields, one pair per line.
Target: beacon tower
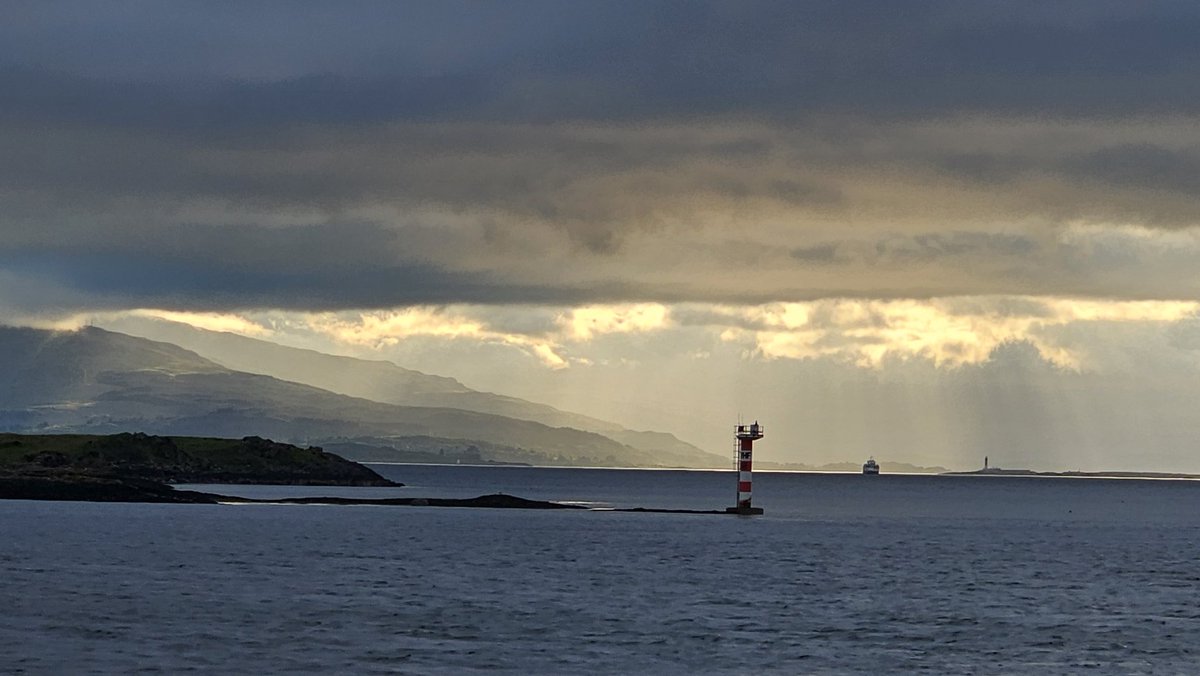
746,436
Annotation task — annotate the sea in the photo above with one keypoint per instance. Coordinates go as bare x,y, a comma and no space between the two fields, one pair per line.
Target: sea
843,574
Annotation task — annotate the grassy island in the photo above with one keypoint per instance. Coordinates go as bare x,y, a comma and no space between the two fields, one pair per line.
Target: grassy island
137,467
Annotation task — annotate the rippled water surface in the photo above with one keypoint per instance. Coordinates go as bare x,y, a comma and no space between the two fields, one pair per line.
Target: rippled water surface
843,574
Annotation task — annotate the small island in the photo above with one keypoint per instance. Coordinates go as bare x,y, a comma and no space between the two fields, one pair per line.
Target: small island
140,467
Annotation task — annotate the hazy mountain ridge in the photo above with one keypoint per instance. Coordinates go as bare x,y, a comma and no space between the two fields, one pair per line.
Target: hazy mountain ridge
387,382
63,381
48,367
377,380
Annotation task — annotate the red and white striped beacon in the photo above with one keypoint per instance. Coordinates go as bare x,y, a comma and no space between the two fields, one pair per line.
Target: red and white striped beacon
746,435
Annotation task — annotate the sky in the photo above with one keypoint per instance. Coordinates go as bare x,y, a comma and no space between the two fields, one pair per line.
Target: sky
921,231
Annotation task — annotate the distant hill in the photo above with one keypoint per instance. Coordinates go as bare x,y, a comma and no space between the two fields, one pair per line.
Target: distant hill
426,450
386,382
97,381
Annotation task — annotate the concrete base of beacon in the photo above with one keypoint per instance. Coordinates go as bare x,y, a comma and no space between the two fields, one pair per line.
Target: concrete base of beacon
744,511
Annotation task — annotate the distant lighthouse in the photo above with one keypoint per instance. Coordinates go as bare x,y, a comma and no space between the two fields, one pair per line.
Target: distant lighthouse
746,435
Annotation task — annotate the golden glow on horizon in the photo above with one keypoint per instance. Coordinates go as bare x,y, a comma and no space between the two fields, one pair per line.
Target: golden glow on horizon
949,332
376,330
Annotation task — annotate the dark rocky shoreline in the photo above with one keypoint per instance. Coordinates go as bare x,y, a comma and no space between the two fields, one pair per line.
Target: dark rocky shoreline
87,487
84,487
494,501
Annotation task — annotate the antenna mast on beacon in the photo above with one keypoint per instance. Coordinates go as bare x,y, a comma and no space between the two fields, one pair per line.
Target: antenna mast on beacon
746,435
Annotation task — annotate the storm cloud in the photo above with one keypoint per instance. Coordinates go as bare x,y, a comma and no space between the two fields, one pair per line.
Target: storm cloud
320,156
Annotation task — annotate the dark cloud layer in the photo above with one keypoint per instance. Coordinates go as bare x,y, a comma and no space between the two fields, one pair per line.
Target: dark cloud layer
271,63
312,268
314,154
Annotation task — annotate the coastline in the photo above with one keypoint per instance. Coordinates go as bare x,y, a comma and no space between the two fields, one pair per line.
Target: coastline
1077,474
